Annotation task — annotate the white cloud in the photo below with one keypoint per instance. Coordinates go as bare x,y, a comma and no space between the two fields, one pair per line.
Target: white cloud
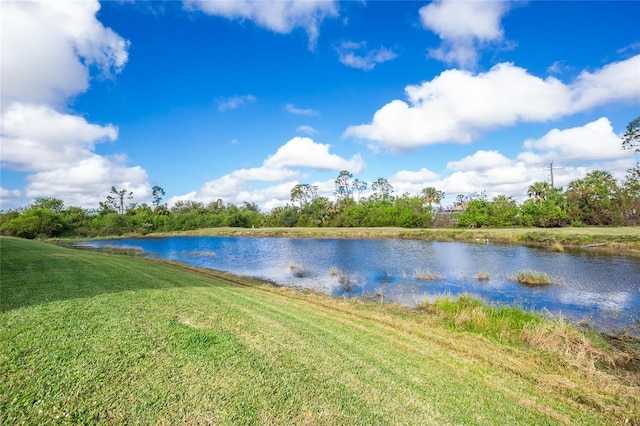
62,39
481,160
574,152
300,111
235,102
303,152
269,197
10,198
464,27
264,174
286,166
36,138
65,44
593,141
614,82
84,183
422,175
412,182
306,129
280,16
457,106
355,55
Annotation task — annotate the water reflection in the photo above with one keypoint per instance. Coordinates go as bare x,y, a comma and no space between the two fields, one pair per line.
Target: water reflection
603,290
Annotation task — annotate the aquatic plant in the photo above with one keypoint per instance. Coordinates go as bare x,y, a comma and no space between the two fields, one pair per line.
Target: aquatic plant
196,253
426,275
131,251
334,271
345,283
533,278
299,273
483,275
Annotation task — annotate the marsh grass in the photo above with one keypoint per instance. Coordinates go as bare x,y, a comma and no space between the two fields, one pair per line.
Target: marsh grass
346,285
334,270
533,278
299,273
426,275
202,254
483,275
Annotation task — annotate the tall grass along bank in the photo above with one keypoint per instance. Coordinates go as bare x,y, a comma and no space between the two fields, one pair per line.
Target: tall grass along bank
89,337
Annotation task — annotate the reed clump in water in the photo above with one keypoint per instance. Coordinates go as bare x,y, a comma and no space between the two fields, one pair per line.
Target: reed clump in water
533,278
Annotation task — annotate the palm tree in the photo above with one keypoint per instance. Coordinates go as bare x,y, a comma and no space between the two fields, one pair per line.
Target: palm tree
539,190
431,195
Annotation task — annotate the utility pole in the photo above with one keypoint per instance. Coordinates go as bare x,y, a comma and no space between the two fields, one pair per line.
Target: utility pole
551,170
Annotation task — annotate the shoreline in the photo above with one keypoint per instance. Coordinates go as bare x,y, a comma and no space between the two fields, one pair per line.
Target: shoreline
613,240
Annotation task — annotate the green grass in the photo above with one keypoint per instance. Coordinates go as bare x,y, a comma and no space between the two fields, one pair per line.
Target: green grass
467,313
101,338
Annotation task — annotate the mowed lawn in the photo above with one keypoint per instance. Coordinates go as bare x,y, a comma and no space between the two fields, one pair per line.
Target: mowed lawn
89,337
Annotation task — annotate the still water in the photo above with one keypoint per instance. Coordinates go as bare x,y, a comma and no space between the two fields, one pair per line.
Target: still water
603,290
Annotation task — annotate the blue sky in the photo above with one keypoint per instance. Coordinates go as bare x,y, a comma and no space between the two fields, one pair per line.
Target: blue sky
241,100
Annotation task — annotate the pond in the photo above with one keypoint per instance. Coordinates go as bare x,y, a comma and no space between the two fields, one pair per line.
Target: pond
603,290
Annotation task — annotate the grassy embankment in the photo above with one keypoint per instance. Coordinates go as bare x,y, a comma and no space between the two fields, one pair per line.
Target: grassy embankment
89,337
624,240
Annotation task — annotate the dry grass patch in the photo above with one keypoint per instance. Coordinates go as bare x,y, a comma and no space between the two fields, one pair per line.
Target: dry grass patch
558,336
557,247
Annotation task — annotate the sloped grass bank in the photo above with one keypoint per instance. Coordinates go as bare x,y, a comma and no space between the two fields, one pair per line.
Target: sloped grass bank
89,337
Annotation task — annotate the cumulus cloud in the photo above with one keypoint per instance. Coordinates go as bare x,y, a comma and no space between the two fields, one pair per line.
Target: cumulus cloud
300,111
302,152
356,55
63,40
286,165
421,175
36,138
594,141
464,27
575,152
65,44
481,160
457,106
280,16
10,198
88,181
269,197
235,102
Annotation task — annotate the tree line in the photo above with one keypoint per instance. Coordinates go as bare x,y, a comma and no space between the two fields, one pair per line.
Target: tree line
596,199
